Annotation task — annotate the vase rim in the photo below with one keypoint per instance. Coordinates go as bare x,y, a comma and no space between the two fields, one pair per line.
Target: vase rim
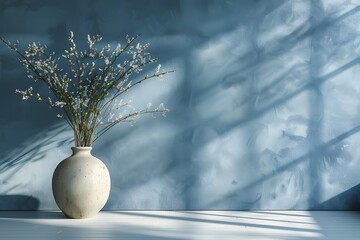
81,148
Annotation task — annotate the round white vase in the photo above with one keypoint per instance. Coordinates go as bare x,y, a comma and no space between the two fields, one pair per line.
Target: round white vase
81,184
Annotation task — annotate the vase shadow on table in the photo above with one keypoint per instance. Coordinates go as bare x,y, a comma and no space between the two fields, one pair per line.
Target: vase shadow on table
19,206
18,202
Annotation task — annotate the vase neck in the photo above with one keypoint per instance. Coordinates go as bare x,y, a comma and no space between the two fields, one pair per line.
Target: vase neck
81,150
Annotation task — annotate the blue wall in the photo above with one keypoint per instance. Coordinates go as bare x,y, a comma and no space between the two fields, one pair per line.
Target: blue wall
264,104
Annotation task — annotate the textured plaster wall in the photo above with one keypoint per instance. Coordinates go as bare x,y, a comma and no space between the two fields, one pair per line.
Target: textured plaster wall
264,104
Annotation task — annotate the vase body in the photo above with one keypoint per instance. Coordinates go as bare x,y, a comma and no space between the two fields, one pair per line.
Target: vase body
81,184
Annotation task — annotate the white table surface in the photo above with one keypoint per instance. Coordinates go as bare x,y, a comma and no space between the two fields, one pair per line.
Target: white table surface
219,225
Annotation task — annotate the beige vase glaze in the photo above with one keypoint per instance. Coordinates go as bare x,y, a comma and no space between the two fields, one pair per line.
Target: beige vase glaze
81,184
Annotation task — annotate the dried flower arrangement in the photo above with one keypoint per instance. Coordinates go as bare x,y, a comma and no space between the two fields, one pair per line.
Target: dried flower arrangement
87,93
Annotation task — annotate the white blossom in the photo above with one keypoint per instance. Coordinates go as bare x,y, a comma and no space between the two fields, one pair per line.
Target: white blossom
59,104
38,96
118,48
157,70
90,42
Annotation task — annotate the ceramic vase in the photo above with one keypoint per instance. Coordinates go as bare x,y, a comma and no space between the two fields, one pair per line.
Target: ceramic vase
81,184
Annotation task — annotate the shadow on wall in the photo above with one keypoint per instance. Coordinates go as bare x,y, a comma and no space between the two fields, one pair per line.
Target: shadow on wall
281,142
348,200
327,148
26,171
35,148
264,112
18,202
